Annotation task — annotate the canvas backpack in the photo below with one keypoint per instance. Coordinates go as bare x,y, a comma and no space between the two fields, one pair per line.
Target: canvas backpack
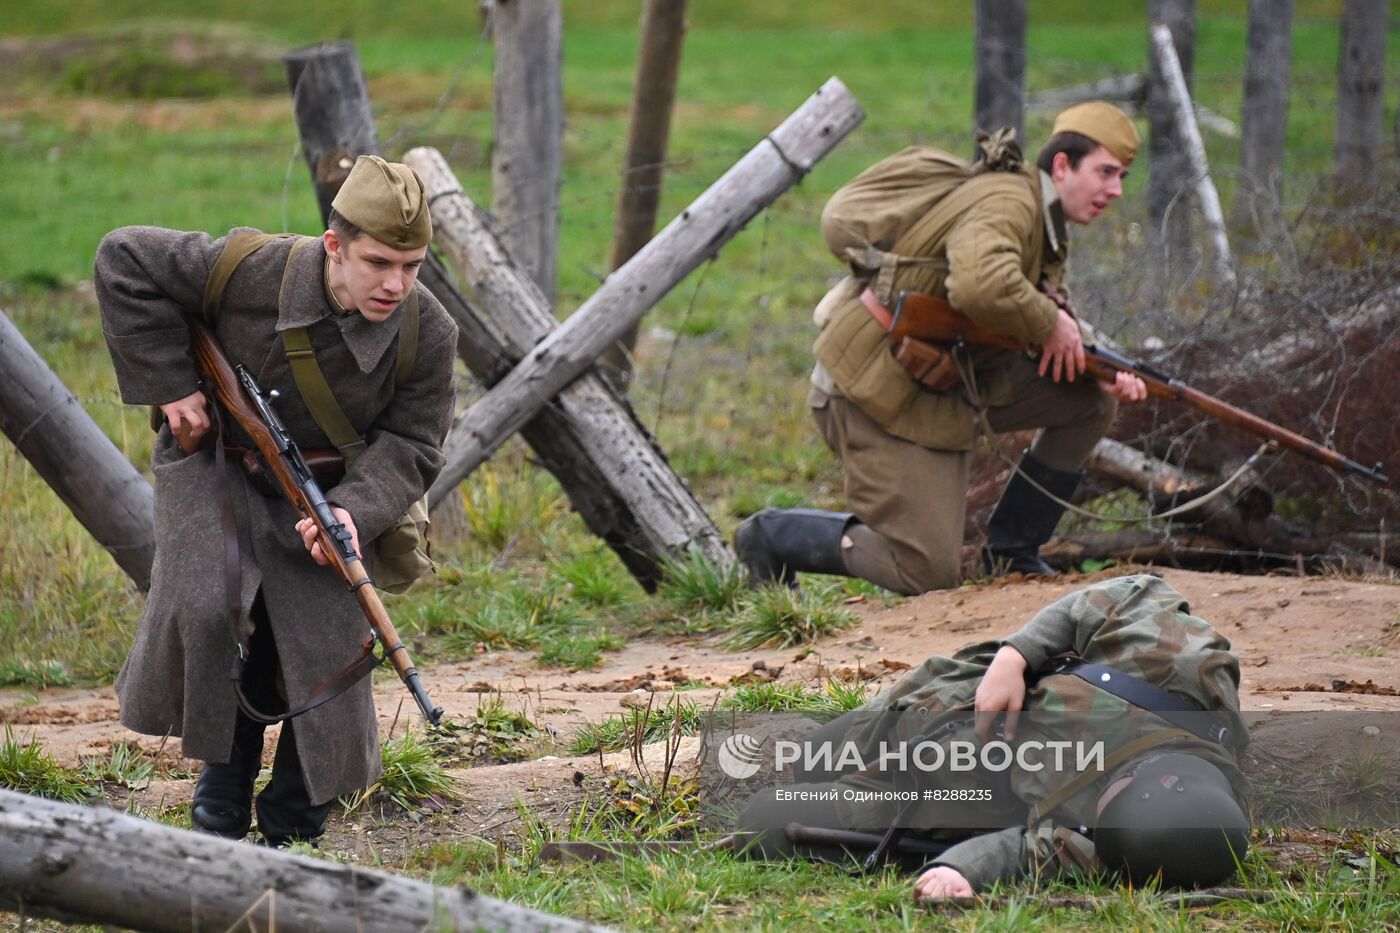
892,217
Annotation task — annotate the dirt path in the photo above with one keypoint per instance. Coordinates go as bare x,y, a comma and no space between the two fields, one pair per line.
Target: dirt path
1313,643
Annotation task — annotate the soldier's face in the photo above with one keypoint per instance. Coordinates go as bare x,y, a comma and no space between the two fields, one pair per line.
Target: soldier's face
1087,190
369,276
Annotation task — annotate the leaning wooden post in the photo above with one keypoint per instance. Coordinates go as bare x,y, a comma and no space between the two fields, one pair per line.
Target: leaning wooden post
1168,169
774,165
1360,93
1196,154
53,432
95,865
1264,113
653,95
1001,66
336,125
669,519
528,142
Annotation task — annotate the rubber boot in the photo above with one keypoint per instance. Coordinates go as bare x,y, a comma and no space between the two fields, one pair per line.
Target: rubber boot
774,544
223,795
1024,518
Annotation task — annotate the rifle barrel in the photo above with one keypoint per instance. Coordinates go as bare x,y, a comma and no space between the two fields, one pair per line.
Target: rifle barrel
1102,363
928,317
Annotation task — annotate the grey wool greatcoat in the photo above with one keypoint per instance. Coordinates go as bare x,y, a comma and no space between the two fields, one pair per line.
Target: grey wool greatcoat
176,678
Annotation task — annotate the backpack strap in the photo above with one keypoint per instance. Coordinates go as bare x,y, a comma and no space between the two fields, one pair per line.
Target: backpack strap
236,249
316,391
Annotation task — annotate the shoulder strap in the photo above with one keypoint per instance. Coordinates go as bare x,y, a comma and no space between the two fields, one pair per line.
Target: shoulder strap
236,249
408,340
316,391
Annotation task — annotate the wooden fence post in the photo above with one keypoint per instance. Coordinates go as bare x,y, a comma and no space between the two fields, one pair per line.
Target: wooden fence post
527,146
759,178
653,95
1168,168
94,479
1360,93
1001,66
1264,113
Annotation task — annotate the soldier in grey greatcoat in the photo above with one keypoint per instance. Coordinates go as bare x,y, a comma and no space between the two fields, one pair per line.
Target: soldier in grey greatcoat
351,291
1113,817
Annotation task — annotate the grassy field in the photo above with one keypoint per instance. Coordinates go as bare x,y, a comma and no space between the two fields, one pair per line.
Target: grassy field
98,129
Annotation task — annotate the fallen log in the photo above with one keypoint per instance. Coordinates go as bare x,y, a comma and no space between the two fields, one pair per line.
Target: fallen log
94,865
616,443
99,485
783,157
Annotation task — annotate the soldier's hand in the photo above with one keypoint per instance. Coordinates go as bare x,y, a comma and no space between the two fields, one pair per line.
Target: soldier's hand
1126,387
939,882
1063,354
1002,690
189,419
309,536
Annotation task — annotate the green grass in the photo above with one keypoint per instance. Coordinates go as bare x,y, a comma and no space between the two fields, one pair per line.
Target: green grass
27,768
412,773
834,696
618,732
125,765
780,617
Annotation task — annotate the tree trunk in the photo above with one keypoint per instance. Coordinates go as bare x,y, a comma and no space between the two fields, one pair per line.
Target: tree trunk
666,514
1001,66
769,169
1264,114
337,125
527,148
1169,172
53,432
1360,93
91,865
658,67
1195,151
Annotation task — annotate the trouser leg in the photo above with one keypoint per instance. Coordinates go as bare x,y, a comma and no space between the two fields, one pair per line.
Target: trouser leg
1072,417
909,502
223,795
284,808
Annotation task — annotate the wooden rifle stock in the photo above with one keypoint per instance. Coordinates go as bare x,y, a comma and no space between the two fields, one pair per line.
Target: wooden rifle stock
281,458
928,317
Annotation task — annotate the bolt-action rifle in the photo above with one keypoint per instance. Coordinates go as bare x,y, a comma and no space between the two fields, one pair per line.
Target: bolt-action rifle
932,319
238,392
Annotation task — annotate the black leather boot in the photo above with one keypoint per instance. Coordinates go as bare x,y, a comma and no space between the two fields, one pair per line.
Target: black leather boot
1024,518
223,796
774,544
285,811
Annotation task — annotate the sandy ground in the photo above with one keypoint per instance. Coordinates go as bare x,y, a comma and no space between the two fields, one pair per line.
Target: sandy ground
1309,643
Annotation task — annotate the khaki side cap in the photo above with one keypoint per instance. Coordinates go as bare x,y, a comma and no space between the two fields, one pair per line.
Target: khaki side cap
386,201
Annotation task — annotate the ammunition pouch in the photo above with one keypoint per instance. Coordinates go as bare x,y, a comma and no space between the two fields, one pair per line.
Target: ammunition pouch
928,364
